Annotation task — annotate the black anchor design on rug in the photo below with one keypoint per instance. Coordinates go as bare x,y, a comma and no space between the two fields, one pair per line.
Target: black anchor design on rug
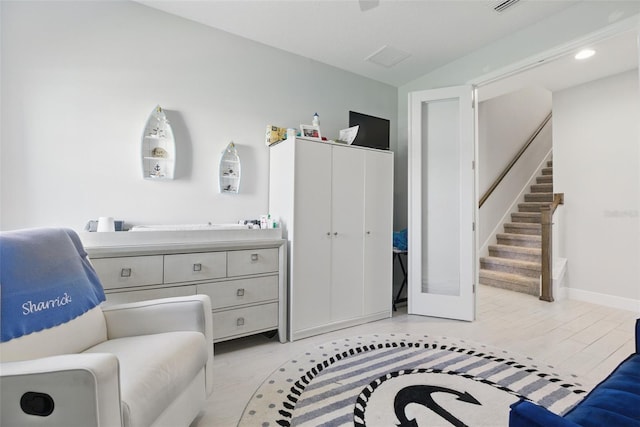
421,394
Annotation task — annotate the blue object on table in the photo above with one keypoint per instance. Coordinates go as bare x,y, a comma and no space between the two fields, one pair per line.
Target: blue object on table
400,240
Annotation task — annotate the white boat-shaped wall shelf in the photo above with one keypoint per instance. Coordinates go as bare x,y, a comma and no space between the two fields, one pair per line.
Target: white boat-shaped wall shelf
158,147
230,170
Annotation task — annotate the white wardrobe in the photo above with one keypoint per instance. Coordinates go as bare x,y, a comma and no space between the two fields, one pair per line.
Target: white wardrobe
335,204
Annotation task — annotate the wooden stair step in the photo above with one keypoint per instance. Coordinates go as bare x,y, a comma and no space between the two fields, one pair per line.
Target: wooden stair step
550,163
514,282
531,217
524,240
543,179
542,188
538,197
513,266
547,171
516,252
523,228
531,206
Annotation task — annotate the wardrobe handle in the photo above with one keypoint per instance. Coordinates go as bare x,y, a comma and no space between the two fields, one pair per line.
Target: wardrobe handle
197,267
125,272
240,292
240,321
335,233
254,257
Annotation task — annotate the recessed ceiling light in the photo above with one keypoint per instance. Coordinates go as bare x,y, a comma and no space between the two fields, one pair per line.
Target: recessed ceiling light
585,53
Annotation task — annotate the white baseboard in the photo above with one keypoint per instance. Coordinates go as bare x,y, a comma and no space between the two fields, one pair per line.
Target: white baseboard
559,271
602,299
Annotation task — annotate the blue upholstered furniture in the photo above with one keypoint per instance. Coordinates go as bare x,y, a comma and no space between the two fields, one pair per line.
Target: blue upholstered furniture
615,402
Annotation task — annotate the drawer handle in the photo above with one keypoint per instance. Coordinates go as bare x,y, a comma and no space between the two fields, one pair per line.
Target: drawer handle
240,292
254,257
125,272
197,267
240,321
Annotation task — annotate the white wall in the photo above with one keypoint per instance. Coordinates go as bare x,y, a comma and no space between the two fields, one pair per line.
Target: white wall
79,80
597,165
505,123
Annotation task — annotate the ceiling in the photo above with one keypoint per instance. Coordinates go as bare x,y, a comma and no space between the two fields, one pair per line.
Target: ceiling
342,34
431,33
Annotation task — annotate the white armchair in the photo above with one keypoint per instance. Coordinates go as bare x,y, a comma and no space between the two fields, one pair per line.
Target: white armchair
139,364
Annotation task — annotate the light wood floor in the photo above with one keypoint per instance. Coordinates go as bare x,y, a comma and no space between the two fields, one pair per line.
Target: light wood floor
574,337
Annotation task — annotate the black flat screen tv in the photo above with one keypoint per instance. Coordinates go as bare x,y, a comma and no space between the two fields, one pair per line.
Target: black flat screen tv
373,131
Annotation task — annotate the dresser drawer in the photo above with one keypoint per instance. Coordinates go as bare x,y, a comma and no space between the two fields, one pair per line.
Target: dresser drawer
243,291
135,296
243,321
240,263
124,272
195,266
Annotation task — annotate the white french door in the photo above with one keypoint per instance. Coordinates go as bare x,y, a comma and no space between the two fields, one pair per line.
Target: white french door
442,203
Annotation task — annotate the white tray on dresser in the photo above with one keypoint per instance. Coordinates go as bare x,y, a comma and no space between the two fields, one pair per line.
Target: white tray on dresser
242,271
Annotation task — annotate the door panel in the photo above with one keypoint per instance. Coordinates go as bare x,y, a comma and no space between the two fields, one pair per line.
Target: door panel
378,233
312,225
347,233
442,273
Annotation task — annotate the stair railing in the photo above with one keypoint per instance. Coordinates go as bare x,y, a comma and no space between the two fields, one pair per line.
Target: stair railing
506,170
547,210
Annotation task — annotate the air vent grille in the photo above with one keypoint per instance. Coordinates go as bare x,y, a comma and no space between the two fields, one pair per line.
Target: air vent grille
504,4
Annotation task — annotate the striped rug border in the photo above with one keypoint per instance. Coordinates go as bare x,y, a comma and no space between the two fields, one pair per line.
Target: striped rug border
299,386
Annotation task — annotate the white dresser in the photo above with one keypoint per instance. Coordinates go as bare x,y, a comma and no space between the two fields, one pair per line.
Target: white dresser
242,271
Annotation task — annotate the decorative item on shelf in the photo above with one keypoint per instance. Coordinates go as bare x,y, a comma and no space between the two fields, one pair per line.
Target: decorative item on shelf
158,147
275,134
310,131
230,170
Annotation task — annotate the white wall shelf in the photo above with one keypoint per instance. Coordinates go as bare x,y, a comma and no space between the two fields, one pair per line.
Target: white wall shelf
158,147
230,170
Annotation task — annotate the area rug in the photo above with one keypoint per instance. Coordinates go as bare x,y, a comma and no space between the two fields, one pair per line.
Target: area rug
405,380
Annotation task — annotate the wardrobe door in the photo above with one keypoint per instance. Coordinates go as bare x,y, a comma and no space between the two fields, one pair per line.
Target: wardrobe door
310,296
378,231
347,214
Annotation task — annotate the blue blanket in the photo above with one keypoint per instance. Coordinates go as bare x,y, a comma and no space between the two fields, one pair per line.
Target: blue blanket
45,280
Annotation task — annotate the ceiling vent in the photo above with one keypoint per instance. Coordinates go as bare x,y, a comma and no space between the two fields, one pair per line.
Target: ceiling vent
387,56
504,5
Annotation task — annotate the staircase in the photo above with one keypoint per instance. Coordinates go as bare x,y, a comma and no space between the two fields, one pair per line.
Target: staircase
515,262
